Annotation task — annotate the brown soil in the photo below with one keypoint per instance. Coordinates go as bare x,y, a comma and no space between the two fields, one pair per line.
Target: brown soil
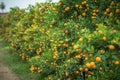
5,72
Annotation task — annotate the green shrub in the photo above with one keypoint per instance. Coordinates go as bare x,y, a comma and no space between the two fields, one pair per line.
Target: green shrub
68,40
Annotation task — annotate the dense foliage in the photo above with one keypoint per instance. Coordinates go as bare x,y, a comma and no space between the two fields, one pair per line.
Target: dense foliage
68,40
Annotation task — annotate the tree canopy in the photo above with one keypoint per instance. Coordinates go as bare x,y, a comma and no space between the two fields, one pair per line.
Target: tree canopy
2,6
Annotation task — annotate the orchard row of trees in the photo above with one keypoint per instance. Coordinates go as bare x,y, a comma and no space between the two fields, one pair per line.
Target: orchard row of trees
68,40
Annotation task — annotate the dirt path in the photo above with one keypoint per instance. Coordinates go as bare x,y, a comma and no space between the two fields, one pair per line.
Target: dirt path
5,72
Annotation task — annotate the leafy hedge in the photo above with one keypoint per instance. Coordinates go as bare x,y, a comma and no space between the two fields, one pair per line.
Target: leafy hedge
68,40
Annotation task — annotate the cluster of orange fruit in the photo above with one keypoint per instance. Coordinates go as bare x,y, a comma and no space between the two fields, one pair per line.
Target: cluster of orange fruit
109,10
33,68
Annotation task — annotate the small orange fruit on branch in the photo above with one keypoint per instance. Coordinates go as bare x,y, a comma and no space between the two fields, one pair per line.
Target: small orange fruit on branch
104,38
111,47
98,59
67,9
116,62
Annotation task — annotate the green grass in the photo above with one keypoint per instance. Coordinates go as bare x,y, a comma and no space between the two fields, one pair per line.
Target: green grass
19,67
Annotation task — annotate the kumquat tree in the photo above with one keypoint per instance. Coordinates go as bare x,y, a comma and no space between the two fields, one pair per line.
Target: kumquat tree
67,40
